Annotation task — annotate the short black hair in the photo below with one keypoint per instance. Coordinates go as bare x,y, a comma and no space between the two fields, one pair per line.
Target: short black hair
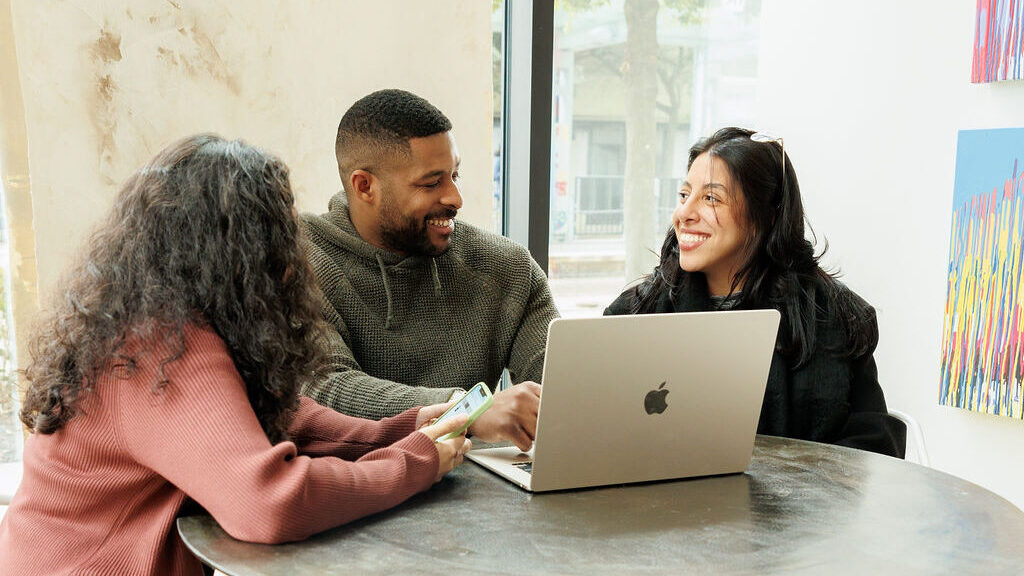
382,123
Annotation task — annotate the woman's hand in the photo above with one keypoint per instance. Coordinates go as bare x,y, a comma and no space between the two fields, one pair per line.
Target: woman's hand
428,414
450,453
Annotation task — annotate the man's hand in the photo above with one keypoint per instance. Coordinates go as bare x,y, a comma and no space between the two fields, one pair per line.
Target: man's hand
513,416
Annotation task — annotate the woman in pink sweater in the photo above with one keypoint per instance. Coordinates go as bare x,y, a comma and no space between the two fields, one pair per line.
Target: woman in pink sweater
169,369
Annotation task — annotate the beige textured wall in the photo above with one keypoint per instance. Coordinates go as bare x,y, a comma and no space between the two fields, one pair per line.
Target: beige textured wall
106,84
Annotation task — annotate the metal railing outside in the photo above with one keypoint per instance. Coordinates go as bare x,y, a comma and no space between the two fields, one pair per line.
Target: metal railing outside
599,205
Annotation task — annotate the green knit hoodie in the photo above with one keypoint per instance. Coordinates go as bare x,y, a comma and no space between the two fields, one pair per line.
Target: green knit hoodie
409,331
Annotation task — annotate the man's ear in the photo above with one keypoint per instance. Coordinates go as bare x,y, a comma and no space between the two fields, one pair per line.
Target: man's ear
362,186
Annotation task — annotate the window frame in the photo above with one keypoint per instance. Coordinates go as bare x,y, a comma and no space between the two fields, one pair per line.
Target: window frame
526,146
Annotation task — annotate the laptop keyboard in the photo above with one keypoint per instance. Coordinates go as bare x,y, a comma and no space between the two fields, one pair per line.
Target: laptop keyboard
524,466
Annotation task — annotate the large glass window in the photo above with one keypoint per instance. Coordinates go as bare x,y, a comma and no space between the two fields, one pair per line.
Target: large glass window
635,83
10,426
498,97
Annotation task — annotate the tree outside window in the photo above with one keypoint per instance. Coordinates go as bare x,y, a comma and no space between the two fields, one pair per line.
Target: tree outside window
635,83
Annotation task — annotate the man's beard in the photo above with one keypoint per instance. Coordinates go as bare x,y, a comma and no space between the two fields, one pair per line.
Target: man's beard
408,235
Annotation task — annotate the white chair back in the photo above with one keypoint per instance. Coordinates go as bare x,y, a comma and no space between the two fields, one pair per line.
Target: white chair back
916,450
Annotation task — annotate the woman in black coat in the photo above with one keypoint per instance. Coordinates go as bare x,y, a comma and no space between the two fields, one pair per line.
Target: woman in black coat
737,242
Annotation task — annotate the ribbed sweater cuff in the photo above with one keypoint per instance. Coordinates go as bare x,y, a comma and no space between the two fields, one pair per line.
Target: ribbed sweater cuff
399,426
423,469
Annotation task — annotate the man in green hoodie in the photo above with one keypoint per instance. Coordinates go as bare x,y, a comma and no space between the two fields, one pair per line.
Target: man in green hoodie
421,308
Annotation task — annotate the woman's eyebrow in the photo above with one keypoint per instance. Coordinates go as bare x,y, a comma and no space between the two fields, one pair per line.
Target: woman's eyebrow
716,185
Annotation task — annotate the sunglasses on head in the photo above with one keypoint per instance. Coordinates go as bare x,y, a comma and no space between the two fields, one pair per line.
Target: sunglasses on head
766,138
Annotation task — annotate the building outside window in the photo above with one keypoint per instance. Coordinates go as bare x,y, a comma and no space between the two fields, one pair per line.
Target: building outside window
635,83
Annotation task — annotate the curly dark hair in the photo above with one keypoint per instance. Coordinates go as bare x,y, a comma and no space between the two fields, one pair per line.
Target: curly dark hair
205,234
780,268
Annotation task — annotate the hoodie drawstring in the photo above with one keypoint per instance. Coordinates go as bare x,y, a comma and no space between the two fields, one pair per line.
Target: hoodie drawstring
387,292
437,277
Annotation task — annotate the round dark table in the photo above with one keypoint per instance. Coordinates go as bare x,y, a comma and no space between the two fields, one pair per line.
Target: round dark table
801,508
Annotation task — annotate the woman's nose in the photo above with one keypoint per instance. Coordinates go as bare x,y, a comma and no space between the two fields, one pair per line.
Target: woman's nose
685,211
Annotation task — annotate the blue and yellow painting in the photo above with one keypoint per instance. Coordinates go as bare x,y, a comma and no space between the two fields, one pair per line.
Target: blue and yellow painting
983,337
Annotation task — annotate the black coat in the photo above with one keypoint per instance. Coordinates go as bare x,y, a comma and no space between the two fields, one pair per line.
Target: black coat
828,399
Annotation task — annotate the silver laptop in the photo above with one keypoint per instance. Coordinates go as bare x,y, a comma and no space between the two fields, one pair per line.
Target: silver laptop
646,397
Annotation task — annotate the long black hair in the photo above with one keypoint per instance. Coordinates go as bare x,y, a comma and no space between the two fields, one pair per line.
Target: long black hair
204,234
779,266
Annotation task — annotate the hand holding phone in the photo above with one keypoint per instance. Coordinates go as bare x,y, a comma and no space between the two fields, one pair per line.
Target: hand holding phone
450,453
473,404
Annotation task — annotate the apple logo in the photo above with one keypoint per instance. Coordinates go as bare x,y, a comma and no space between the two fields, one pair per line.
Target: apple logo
654,402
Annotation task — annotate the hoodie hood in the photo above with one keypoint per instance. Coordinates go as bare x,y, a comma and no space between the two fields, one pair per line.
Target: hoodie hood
336,227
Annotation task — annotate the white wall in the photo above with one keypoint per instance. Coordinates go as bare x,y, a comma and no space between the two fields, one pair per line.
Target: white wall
869,96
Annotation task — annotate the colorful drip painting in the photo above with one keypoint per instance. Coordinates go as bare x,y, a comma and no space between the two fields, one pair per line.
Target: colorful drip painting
983,338
998,41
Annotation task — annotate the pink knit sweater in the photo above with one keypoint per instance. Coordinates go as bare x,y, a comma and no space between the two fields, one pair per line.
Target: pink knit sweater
101,494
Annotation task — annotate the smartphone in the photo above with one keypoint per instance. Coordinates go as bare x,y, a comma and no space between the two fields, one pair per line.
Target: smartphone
474,403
